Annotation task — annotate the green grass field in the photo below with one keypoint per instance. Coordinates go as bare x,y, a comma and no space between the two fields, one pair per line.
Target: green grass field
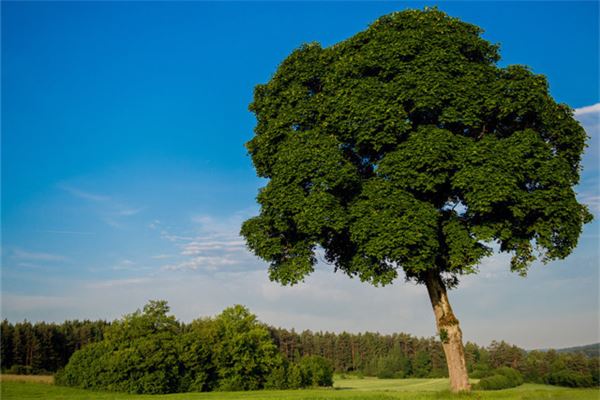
13,387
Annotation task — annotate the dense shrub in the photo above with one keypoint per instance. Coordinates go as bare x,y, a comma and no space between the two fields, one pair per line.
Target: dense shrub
513,375
195,356
150,352
479,373
243,352
569,379
494,382
139,355
278,379
316,371
501,378
87,367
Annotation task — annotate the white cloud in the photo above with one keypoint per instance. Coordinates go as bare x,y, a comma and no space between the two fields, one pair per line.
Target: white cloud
215,245
594,108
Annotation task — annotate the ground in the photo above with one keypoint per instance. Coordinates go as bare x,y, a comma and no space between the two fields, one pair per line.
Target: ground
41,387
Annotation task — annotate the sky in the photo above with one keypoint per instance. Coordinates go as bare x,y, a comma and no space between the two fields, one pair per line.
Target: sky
125,177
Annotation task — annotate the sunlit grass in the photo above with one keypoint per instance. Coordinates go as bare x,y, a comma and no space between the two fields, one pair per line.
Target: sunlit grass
24,387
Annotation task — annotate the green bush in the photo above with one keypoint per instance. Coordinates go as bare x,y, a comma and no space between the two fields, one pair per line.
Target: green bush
569,379
501,378
479,373
87,367
513,375
296,378
278,379
243,352
195,356
138,355
316,371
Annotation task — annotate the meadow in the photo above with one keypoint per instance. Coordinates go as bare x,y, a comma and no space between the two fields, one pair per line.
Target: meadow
42,387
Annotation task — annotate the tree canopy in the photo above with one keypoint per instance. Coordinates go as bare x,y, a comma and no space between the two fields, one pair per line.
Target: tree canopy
407,147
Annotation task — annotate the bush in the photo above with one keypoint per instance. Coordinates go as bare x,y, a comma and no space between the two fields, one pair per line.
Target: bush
501,378
278,379
87,367
243,352
479,373
195,357
316,371
138,355
513,375
569,379
296,378
494,382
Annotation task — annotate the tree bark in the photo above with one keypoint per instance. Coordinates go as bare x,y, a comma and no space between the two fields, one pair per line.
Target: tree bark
449,331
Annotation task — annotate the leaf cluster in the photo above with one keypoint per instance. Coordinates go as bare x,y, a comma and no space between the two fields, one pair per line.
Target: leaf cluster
406,146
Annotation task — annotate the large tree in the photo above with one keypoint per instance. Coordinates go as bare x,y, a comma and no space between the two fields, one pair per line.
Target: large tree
407,147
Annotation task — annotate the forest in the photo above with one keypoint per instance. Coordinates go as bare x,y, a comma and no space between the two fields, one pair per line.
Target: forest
43,348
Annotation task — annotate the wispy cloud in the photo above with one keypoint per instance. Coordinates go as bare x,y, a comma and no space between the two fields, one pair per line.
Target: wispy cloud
162,256
19,254
594,108
63,232
84,194
109,209
591,199
126,212
216,245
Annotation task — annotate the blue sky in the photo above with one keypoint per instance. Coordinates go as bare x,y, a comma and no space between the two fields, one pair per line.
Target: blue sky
125,178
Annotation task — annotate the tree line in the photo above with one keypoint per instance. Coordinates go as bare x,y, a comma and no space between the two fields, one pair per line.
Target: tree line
42,347
47,347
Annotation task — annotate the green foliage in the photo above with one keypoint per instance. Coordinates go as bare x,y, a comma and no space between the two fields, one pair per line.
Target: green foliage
149,352
512,374
494,382
501,378
569,379
393,366
421,365
407,146
87,368
139,355
195,356
244,354
316,371
278,379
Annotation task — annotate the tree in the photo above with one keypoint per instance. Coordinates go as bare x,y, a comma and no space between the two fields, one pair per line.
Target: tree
244,353
405,147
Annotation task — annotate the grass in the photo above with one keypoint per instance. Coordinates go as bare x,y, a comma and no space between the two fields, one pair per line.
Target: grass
47,379
41,387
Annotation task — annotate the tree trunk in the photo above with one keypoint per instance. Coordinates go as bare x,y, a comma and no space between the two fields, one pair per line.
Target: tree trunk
449,331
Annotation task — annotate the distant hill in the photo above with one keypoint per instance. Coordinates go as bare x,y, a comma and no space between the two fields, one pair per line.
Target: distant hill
590,350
